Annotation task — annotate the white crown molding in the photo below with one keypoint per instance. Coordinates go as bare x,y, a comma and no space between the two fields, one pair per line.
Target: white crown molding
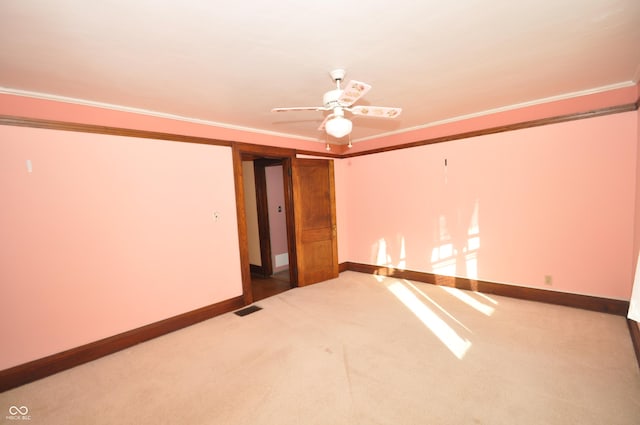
542,101
119,108
63,99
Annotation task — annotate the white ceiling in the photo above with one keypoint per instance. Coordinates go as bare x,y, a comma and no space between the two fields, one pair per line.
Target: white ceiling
230,62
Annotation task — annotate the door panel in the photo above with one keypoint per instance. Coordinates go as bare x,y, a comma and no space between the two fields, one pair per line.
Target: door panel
315,220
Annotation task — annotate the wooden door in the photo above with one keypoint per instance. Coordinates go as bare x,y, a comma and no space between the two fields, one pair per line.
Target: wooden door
315,220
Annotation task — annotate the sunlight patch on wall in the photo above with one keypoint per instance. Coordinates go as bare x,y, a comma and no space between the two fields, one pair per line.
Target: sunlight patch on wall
445,267
471,261
473,244
382,259
443,256
383,254
457,253
471,256
441,252
402,263
448,336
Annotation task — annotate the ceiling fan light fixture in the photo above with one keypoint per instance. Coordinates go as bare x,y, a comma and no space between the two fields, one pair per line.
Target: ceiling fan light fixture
338,127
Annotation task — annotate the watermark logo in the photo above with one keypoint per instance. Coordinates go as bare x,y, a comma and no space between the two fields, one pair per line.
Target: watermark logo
18,413
15,410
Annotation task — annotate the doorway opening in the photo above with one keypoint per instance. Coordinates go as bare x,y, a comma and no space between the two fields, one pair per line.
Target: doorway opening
266,217
266,223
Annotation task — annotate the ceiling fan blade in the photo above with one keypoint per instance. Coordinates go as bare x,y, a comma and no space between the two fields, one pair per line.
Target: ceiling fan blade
376,111
325,121
301,108
353,91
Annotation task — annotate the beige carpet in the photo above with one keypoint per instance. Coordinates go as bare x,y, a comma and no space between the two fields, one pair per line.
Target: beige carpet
360,350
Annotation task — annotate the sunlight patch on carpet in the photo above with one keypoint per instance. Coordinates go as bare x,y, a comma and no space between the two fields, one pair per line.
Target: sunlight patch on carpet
449,337
469,300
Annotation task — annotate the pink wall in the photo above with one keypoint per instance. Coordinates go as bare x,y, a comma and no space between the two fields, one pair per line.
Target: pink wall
277,219
511,207
549,109
340,169
107,234
634,310
636,245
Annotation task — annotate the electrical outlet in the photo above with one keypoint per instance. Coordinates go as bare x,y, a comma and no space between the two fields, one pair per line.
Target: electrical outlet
216,216
548,280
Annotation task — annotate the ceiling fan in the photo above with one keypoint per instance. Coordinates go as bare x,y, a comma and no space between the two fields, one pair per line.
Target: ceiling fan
340,100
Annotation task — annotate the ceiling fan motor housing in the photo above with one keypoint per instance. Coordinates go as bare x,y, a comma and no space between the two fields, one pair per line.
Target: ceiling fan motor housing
330,98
